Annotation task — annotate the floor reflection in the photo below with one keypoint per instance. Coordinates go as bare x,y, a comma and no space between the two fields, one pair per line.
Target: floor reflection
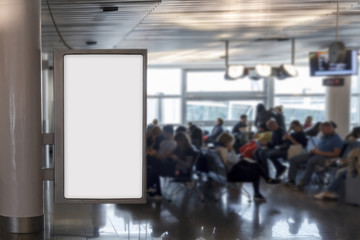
286,215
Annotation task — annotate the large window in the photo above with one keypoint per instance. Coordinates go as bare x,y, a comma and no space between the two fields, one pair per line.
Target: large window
164,95
164,82
301,97
209,96
153,109
178,96
171,110
303,84
227,110
214,81
305,96
298,108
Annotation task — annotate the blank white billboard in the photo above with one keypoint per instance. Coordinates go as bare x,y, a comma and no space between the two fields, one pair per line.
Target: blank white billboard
103,126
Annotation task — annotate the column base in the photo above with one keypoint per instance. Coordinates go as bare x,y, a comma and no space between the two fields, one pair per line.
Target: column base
22,224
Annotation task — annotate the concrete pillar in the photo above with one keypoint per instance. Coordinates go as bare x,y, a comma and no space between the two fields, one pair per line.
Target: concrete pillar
21,188
338,106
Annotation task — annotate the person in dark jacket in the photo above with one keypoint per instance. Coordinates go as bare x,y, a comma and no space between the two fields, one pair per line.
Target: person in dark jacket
263,115
294,136
238,130
239,126
184,155
280,118
196,137
276,141
217,130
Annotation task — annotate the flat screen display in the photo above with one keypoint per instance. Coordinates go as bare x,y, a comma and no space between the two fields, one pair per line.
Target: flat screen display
103,126
320,65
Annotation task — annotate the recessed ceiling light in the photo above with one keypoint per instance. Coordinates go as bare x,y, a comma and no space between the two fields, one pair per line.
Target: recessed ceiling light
91,42
110,9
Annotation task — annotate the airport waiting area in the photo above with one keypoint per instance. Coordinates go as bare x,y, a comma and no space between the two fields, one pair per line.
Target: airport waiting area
179,120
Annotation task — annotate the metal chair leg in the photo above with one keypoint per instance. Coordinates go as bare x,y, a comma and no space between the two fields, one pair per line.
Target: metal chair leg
176,190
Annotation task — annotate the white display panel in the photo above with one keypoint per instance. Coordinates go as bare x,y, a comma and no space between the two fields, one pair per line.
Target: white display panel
103,126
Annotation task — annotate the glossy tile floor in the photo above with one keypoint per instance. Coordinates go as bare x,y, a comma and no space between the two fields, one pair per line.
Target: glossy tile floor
286,215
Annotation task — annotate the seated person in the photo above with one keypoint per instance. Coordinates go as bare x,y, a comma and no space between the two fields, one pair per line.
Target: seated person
263,135
184,155
240,132
216,131
261,154
196,137
263,115
153,167
351,164
167,146
157,137
240,126
154,123
352,141
354,136
329,147
308,122
314,130
350,156
240,170
190,128
279,116
295,136
161,152
180,129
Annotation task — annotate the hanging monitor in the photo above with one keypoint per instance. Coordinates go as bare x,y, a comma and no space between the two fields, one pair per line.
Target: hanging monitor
320,64
100,119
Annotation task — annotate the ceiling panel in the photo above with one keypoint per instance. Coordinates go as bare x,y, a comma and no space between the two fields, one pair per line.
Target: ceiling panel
192,32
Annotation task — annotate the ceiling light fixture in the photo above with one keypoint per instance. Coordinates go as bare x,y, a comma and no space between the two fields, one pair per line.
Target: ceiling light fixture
289,70
253,75
263,70
235,71
260,71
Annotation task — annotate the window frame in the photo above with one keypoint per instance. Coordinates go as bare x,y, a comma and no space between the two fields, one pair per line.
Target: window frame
216,96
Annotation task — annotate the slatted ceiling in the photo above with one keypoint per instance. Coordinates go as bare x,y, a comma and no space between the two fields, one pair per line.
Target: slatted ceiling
91,3
193,31
81,21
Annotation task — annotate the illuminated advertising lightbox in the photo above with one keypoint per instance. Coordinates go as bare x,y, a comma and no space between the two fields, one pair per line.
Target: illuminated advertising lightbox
100,125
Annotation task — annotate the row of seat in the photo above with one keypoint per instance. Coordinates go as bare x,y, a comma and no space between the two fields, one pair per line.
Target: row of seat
215,171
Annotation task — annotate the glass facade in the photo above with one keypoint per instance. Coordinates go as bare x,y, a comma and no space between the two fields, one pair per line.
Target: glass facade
303,84
227,110
214,81
178,96
298,108
164,95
